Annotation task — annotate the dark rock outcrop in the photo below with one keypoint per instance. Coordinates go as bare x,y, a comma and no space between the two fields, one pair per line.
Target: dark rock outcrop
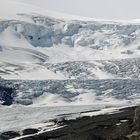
137,118
6,95
9,135
30,131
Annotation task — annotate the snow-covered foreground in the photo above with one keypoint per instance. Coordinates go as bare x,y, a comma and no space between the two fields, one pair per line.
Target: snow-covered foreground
30,116
75,65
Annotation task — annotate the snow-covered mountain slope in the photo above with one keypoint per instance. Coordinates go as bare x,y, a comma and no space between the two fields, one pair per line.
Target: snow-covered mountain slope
46,43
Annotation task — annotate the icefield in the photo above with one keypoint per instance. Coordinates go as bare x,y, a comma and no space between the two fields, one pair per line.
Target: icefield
53,64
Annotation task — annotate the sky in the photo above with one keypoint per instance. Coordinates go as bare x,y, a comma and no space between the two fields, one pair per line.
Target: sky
97,9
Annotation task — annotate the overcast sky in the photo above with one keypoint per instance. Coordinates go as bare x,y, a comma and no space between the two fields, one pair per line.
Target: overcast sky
100,9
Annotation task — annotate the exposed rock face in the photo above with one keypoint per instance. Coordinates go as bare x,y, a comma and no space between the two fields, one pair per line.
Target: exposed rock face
30,131
6,95
137,118
9,135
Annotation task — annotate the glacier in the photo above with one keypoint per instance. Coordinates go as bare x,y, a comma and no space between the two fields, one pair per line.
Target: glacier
53,64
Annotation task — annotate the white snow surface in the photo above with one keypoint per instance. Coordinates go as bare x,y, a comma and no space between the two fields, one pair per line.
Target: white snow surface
36,117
